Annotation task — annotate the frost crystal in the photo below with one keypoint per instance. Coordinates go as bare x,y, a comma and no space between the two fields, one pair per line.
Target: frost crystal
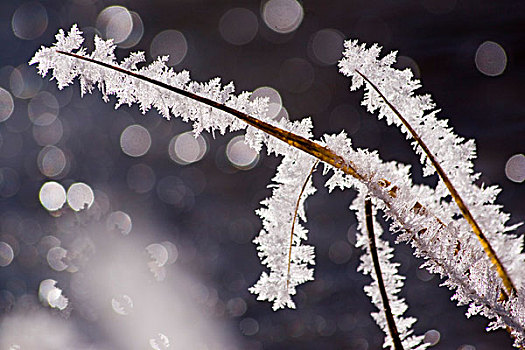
453,252
422,216
274,240
129,90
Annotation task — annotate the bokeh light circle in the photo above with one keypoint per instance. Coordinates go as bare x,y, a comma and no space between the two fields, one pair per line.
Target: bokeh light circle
115,22
238,26
236,307
275,102
327,46
283,16
491,59
240,154
29,21
432,337
24,83
249,326
135,140
122,304
6,254
52,161
173,251
9,182
80,196
158,253
169,42
140,178
43,109
515,168
45,288
56,300
160,342
54,258
47,242
172,190
136,34
120,221
186,148
52,195
7,105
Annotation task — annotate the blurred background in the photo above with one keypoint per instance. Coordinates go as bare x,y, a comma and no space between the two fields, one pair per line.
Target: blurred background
163,258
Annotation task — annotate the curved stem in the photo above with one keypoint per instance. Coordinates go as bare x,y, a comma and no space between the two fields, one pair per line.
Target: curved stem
320,152
507,282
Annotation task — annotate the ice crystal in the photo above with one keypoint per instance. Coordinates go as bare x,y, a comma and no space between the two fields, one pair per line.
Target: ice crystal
419,214
457,249
274,240
129,90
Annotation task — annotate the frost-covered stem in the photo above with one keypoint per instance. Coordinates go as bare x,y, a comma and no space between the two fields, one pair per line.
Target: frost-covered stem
294,219
428,253
507,282
419,213
322,153
381,284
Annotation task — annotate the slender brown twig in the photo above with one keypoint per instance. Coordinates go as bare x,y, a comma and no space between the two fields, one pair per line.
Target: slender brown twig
293,221
507,282
379,277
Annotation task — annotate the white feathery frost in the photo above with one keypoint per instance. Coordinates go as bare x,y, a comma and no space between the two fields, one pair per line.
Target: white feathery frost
455,155
421,215
129,90
274,239
278,210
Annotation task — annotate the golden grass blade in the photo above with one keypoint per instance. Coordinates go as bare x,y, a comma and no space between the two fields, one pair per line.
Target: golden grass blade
507,282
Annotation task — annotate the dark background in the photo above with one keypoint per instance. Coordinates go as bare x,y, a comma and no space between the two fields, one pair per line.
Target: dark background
217,222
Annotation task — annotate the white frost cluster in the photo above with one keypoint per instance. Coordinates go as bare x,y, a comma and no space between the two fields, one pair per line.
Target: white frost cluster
455,252
274,240
421,215
129,90
278,210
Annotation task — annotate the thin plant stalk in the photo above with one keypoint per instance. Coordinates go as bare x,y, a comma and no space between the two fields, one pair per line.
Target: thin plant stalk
293,222
507,282
379,277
